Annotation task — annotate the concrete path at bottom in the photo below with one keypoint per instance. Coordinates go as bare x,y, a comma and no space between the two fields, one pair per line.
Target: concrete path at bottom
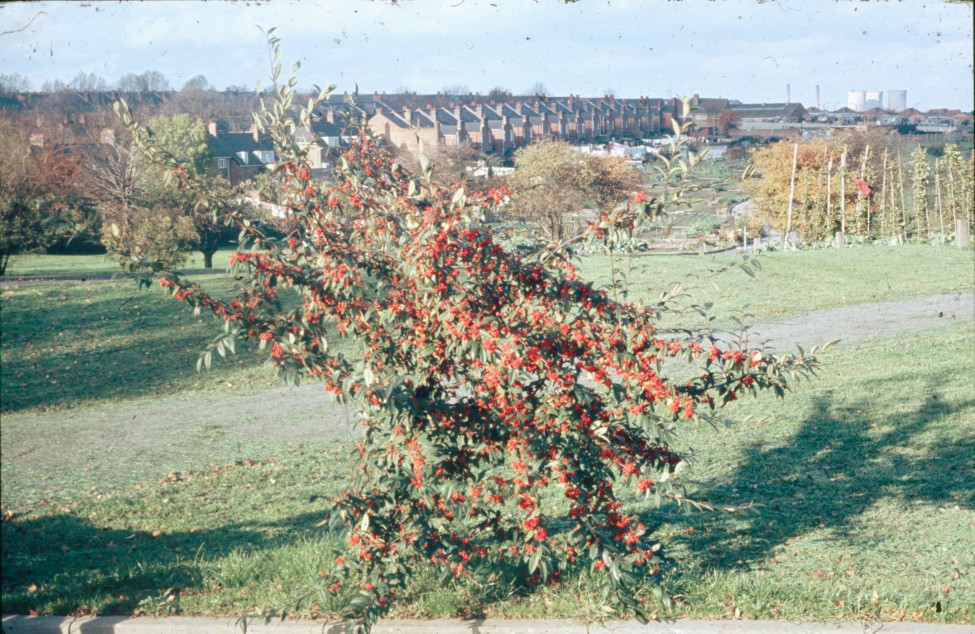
15,624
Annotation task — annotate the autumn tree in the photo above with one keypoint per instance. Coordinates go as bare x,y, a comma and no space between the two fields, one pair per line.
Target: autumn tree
139,234
37,193
771,185
727,119
554,179
185,139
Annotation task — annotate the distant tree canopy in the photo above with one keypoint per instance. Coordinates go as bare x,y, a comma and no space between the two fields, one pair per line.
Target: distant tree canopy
84,82
197,83
13,82
143,82
499,92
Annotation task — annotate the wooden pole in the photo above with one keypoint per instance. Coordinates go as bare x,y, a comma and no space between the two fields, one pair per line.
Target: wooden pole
843,191
900,173
883,199
961,233
864,197
792,192
937,190
829,191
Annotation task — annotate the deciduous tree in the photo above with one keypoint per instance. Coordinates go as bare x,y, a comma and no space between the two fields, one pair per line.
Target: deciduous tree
553,179
37,192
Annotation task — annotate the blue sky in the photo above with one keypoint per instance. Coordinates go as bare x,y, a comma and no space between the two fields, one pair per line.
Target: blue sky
742,49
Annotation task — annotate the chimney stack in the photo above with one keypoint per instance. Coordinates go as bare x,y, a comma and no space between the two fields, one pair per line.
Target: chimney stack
788,96
817,97
212,128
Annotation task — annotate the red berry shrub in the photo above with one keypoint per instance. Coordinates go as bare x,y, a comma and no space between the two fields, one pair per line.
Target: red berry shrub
483,379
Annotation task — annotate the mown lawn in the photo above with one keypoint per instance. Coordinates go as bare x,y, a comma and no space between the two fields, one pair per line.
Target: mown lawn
71,344
794,282
862,481
42,265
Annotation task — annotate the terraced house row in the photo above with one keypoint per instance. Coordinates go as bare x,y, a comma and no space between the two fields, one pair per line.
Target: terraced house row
492,127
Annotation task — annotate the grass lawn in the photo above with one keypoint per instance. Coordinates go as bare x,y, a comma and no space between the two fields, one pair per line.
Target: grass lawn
795,282
862,482
72,343
40,265
147,497
65,345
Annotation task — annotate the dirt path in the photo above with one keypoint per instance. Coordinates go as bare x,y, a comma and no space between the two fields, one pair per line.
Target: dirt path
132,441
852,324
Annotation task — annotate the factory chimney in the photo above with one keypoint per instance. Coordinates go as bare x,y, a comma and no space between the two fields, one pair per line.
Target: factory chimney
817,97
788,98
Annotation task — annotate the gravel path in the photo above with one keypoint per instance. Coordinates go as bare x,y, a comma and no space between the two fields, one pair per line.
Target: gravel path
131,441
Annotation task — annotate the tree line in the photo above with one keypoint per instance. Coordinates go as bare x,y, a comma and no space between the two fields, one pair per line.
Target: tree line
146,81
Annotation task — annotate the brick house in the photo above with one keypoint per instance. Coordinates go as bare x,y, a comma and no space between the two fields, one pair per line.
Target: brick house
239,156
500,128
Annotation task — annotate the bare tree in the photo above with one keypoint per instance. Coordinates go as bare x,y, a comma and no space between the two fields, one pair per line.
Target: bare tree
113,174
538,89
143,82
11,83
456,90
87,82
499,93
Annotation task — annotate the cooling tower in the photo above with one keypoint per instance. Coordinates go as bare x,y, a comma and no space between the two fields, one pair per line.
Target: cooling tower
856,100
897,100
874,100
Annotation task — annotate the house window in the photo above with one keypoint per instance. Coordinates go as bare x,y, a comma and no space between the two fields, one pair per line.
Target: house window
267,156
242,155
222,163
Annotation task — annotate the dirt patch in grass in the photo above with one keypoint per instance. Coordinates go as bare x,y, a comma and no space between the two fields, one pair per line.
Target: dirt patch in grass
852,324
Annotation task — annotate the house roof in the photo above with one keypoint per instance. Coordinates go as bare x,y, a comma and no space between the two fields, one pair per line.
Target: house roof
769,110
229,144
323,128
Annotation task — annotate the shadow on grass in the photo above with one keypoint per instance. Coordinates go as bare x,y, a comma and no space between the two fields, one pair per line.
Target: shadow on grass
52,564
829,473
59,349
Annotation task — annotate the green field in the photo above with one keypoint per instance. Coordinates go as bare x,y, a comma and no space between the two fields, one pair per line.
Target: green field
862,480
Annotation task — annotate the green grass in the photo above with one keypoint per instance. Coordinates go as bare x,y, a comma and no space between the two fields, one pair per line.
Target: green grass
863,479
65,345
41,265
795,282
862,482
72,343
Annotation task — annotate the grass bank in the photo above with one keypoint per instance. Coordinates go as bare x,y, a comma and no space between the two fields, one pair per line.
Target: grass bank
861,480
